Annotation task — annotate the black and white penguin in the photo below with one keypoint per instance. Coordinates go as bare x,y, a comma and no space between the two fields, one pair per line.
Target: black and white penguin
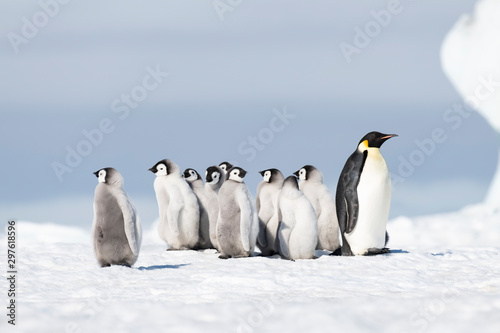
116,229
364,197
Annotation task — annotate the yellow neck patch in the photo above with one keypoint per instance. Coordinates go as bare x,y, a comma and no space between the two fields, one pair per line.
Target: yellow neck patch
363,146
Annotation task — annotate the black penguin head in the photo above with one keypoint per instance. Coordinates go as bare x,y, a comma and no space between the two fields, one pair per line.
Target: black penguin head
305,172
164,168
375,139
109,176
271,175
213,175
191,175
236,174
225,166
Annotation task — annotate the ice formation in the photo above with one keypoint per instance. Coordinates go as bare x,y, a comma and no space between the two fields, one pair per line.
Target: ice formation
470,58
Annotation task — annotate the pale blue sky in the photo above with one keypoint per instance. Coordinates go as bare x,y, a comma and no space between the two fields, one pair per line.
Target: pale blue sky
224,80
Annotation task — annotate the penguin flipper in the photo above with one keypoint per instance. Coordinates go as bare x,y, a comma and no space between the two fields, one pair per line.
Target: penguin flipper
131,222
245,219
284,235
262,238
347,196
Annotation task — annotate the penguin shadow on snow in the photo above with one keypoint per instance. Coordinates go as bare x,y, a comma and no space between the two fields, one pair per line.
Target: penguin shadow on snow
400,251
158,267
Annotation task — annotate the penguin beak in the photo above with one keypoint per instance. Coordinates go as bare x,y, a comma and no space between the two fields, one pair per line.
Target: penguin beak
152,170
262,173
297,173
96,174
387,137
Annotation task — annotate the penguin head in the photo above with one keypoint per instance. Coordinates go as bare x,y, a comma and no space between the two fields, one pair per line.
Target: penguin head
109,176
309,173
236,174
272,175
291,183
374,140
213,175
225,166
191,175
164,168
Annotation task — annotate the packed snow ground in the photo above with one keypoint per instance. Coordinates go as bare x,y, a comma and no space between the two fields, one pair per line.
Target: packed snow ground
443,276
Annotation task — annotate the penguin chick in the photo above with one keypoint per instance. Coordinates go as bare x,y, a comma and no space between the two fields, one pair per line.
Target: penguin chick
195,181
178,207
214,177
116,228
225,166
311,184
268,191
298,233
238,225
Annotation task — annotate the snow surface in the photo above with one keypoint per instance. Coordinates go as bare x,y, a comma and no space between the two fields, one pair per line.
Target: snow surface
470,57
442,276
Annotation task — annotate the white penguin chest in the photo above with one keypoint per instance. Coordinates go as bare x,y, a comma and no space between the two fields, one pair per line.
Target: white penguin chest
374,199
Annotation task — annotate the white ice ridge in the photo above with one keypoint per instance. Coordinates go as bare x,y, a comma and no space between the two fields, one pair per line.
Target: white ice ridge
470,57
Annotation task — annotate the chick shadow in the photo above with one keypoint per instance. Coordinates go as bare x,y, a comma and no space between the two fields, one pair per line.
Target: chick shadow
398,252
158,267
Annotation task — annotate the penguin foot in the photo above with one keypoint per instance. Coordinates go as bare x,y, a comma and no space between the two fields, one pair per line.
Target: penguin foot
223,257
337,252
374,252
268,253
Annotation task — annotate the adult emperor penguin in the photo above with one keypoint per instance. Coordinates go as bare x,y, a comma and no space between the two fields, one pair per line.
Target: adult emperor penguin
298,233
195,181
178,206
213,182
116,229
311,184
238,223
364,197
266,202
